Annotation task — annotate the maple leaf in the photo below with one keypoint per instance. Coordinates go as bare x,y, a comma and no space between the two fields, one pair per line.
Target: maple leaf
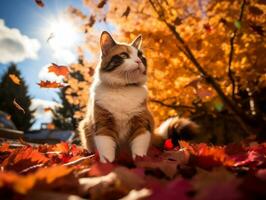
216,184
18,106
39,3
101,169
45,176
15,79
49,84
58,69
167,162
23,158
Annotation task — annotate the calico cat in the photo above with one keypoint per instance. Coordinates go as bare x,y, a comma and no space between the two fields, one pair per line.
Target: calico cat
117,111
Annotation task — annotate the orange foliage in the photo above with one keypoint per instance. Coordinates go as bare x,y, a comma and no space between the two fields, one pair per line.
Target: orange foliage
206,27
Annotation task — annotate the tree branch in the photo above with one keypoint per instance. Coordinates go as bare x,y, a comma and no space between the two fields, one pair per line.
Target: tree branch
231,54
174,106
239,115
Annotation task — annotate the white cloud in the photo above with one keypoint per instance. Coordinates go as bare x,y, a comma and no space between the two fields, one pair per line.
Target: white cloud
40,114
16,47
45,75
40,105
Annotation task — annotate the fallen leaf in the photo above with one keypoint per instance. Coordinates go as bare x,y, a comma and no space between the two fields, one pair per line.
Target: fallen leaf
49,84
23,158
18,106
167,162
59,70
42,177
15,79
176,189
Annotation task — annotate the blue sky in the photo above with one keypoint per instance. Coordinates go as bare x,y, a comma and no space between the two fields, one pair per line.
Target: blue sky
32,23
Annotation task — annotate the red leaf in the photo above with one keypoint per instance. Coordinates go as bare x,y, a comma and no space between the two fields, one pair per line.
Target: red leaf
48,84
176,189
58,70
101,169
23,158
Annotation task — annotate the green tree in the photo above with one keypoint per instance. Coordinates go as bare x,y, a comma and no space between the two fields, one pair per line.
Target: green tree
10,91
63,116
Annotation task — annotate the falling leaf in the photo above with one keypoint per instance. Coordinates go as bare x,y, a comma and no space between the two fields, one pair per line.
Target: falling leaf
91,22
15,79
18,106
59,70
39,3
47,109
49,84
126,13
101,3
50,37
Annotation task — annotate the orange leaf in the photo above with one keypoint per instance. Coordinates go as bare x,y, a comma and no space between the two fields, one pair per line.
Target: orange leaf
58,70
49,84
39,3
23,158
15,79
18,106
22,184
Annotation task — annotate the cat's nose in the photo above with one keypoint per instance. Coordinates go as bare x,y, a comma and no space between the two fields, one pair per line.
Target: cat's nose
138,61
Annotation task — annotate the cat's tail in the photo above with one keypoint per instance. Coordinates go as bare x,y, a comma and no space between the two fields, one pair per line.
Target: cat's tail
175,128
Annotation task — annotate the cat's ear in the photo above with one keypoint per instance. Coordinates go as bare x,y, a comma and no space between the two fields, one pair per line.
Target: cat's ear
137,42
106,42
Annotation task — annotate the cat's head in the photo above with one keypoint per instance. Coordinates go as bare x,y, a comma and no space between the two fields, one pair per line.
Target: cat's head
122,64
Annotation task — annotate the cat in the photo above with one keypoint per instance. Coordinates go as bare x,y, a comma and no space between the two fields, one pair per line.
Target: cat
117,111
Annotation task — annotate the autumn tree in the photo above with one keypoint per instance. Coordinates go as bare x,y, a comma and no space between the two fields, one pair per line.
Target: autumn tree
13,87
206,58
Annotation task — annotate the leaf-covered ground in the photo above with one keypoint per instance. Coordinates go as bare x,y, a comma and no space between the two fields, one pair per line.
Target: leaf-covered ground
196,171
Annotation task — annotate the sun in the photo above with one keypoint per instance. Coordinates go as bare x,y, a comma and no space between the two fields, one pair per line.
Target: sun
61,32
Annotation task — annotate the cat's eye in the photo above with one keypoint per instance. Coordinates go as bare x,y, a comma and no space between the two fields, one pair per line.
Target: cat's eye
124,55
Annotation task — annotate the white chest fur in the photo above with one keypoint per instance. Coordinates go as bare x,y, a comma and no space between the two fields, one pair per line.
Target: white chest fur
123,103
